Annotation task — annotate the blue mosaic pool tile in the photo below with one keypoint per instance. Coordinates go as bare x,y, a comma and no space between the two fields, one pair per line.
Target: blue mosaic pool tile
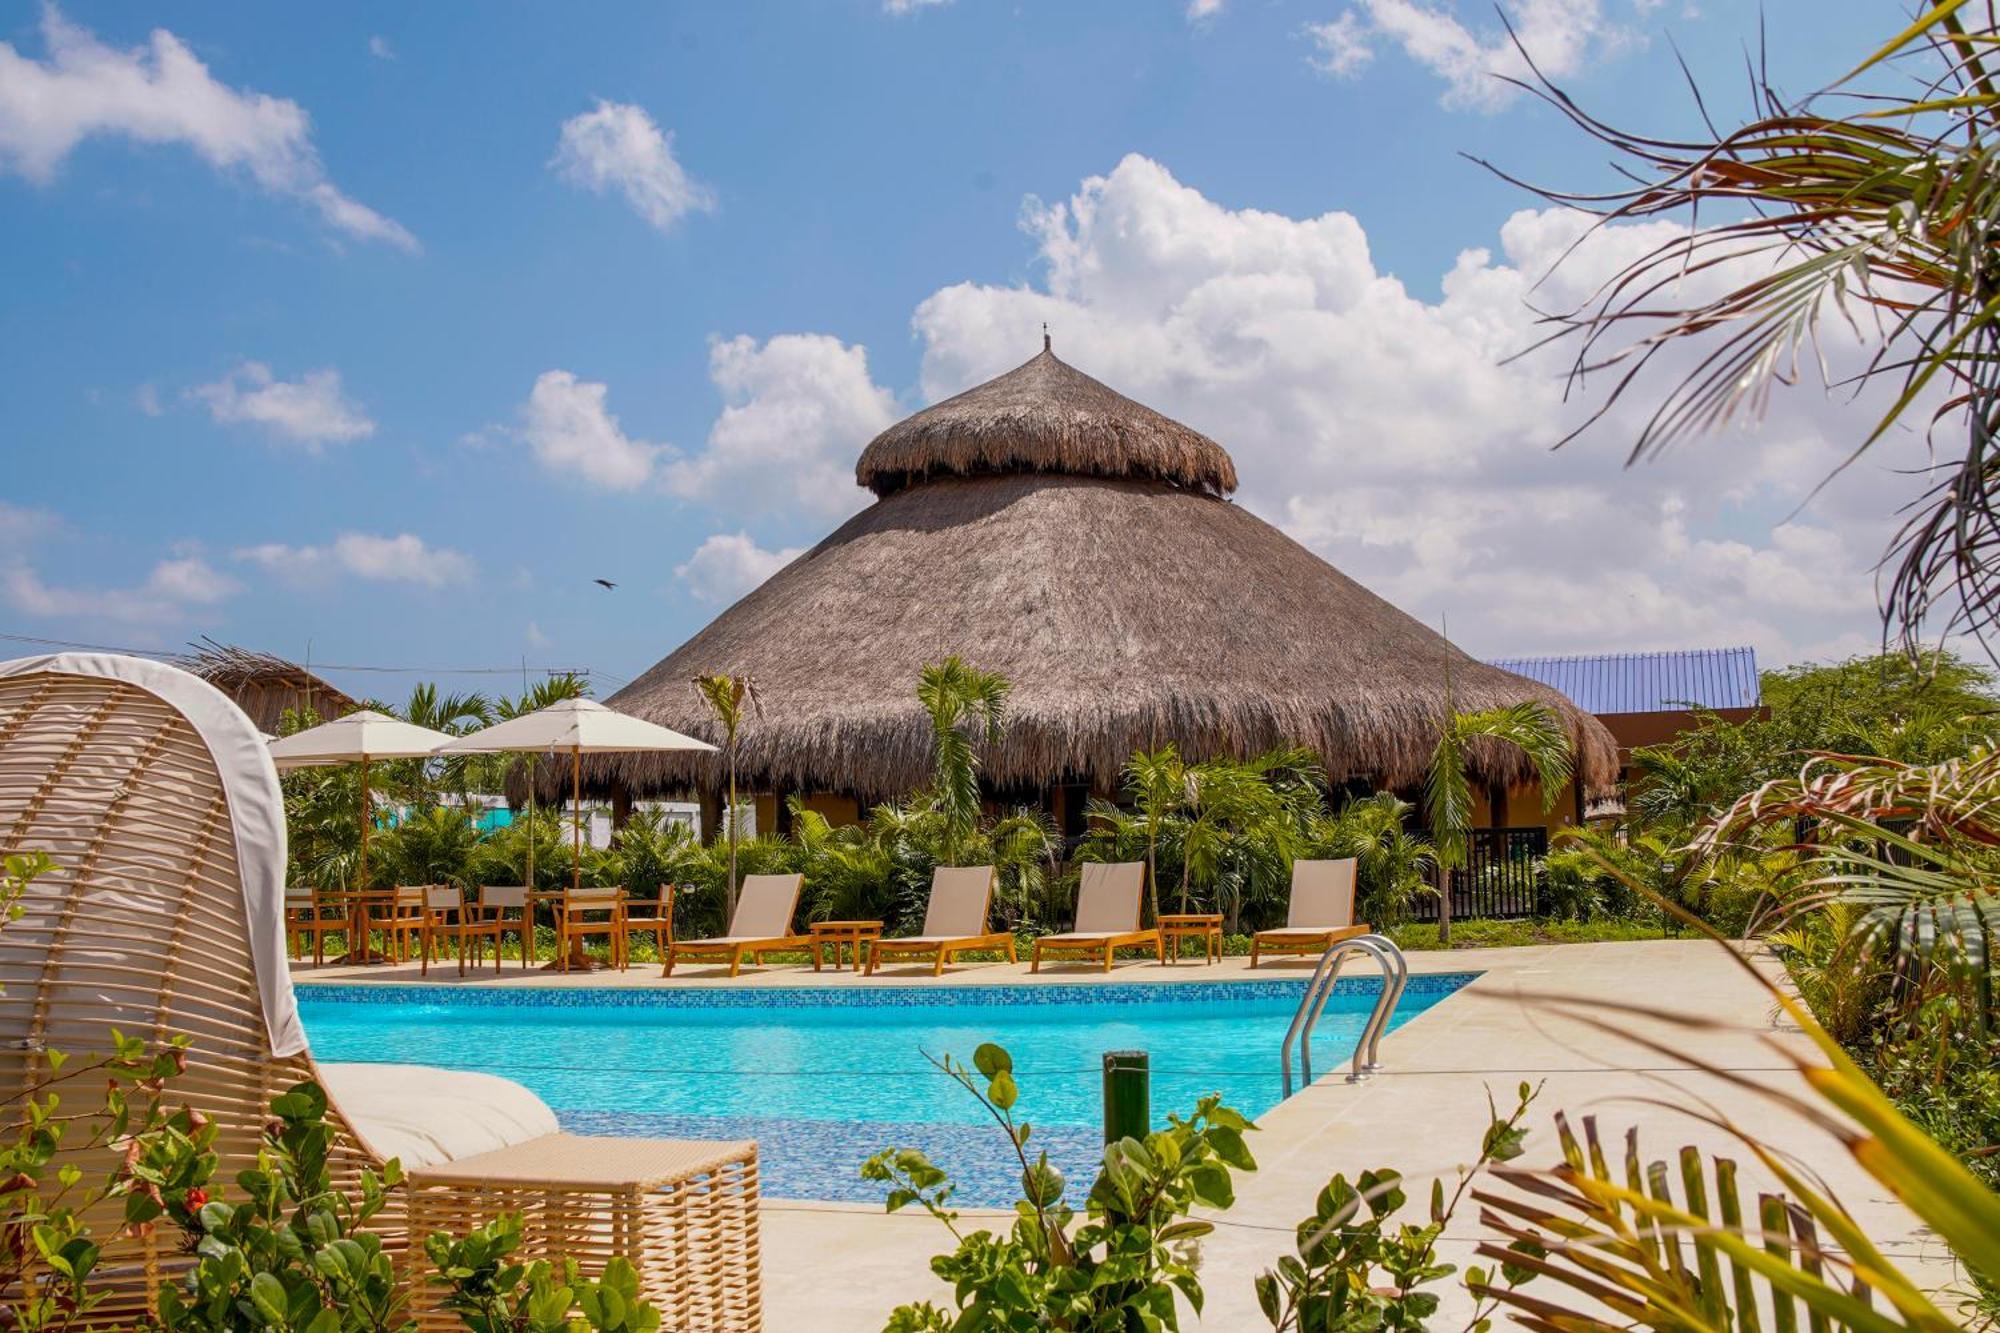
821,1159
838,997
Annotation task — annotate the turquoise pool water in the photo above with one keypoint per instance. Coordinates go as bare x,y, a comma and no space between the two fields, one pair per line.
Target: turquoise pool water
825,1077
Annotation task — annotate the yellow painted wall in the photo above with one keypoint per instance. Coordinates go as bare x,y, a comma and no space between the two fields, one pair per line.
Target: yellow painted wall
836,810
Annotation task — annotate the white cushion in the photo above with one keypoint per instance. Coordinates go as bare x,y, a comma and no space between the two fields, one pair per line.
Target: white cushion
424,1116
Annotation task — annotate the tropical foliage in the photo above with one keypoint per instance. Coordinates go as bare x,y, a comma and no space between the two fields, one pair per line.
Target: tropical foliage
1533,729
1864,212
729,697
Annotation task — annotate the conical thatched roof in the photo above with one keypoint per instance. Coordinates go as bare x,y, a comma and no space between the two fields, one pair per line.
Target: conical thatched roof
1096,567
1045,416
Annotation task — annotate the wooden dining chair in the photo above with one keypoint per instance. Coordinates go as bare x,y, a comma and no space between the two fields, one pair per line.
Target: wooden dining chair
446,917
495,902
310,916
586,912
403,923
655,917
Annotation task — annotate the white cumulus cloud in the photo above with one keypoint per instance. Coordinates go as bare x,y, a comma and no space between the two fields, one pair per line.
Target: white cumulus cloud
377,558
1563,37
161,93
311,410
618,147
570,429
798,409
1390,432
910,6
172,592
729,564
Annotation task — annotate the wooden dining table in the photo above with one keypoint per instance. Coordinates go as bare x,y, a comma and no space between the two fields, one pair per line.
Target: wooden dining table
579,961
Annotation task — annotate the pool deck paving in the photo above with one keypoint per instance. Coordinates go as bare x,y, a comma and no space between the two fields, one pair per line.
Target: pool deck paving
839,1267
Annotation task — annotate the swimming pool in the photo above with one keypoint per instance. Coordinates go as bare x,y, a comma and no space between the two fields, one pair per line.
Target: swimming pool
824,1077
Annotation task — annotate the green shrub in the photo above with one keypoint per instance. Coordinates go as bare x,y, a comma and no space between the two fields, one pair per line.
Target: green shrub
1137,1248
1119,1268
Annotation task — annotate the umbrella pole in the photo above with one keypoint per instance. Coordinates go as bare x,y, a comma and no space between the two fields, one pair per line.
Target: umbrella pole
363,885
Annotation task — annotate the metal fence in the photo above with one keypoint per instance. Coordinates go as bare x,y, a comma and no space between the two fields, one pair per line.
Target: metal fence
1502,876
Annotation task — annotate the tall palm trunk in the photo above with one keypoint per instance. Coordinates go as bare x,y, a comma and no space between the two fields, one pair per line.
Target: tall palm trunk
729,822
1444,907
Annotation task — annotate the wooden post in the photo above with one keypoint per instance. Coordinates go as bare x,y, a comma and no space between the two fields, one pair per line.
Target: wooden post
621,805
711,814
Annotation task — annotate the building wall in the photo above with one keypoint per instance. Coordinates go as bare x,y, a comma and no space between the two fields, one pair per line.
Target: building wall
1523,808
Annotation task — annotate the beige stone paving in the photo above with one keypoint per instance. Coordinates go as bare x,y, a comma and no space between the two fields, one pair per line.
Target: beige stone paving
840,1267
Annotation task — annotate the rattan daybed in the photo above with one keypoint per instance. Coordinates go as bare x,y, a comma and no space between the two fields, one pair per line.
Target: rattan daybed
155,797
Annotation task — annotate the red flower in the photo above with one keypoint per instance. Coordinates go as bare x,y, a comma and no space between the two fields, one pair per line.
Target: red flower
196,1198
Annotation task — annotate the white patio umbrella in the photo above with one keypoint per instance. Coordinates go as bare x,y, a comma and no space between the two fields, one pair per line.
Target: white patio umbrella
360,737
580,726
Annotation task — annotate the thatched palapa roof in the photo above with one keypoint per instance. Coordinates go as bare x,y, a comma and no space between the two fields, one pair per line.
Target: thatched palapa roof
1045,416
264,685
1080,544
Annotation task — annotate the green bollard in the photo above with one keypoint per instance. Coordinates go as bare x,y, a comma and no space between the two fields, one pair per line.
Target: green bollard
1128,1112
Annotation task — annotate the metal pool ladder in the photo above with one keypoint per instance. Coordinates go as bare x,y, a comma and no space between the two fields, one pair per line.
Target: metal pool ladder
1395,976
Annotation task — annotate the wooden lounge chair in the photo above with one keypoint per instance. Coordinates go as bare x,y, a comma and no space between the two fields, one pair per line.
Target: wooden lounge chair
1107,915
954,921
762,924
158,803
1321,912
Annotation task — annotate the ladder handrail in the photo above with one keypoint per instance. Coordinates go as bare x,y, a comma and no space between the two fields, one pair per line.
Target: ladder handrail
1326,975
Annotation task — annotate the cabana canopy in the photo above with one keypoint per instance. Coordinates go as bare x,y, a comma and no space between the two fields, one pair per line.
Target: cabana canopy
1083,545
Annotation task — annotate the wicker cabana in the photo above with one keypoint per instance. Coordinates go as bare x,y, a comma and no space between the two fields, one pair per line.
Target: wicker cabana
1085,546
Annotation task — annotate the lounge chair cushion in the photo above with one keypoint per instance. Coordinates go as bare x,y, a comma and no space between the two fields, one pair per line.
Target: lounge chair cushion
959,898
425,1116
929,941
1107,899
724,941
1086,936
1322,895
765,906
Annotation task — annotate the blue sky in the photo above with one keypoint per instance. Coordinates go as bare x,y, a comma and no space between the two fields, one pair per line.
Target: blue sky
386,329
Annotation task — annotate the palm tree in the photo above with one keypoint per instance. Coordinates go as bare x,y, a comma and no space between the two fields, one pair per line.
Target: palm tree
726,696
1865,211
957,697
1157,782
454,714
1532,728
1236,832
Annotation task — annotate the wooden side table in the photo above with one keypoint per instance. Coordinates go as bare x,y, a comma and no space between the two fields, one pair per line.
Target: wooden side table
833,934
1203,926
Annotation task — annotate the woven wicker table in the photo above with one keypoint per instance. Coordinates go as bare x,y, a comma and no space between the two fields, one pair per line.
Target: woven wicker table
1203,926
684,1213
833,934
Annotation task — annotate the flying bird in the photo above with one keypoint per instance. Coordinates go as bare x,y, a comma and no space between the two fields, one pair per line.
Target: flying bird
605,584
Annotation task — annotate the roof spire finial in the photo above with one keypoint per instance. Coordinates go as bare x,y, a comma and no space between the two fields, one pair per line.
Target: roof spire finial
1046,346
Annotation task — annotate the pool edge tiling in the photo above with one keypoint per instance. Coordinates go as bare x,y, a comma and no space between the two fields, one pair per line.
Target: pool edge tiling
784,997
